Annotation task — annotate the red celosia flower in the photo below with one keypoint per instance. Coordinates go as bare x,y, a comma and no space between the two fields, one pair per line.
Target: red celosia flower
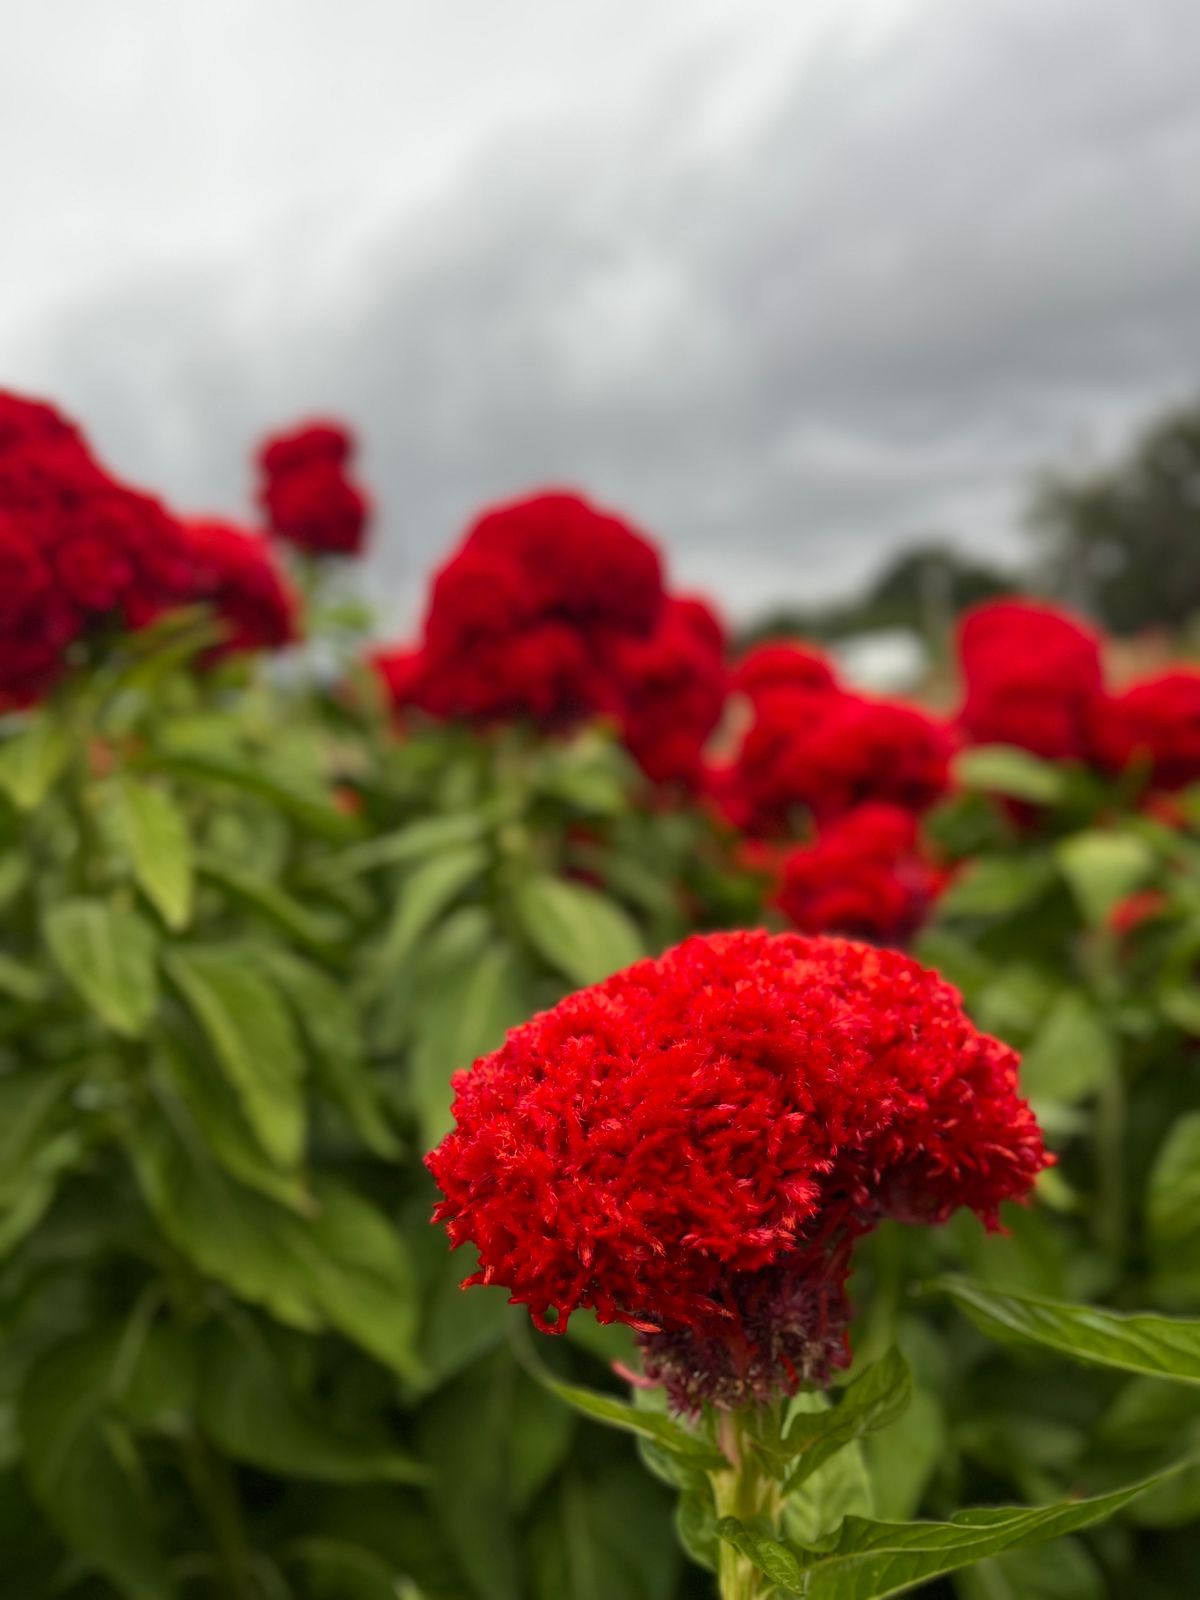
527,616
693,1146
826,752
237,575
85,554
782,665
672,691
1156,723
865,875
307,492
1032,678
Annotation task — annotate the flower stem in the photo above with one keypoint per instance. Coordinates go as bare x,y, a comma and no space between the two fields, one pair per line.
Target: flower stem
746,1491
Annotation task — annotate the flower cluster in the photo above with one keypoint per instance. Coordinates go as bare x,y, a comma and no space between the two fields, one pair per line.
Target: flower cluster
555,611
818,750
1032,677
781,664
307,493
866,875
692,1147
1154,724
78,551
237,575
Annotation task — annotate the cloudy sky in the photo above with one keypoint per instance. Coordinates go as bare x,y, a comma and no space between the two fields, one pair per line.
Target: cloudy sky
788,283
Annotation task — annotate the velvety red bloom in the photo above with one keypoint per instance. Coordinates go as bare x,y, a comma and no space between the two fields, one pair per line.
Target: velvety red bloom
310,499
865,875
238,576
692,1147
672,691
1032,677
782,665
1156,723
823,753
534,615
577,562
85,554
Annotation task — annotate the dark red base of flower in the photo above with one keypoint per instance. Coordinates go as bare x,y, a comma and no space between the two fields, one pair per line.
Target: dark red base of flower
787,1329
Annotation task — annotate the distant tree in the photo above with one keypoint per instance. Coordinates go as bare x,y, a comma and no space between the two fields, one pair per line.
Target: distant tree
923,589
1124,543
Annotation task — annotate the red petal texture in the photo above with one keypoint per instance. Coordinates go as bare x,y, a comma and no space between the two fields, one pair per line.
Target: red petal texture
701,1137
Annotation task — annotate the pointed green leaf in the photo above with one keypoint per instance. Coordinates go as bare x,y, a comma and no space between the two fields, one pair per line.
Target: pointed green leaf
1102,868
108,954
652,1425
309,928
423,896
1004,769
577,930
249,1410
868,1560
1163,1347
32,761
253,1038
874,1399
329,1022
1072,1054
156,836
82,1466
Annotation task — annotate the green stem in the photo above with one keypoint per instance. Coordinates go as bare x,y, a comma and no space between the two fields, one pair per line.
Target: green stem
212,1484
1111,1219
746,1491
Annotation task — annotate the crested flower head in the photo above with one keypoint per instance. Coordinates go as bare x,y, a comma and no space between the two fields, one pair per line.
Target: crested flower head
866,875
1031,677
306,490
83,556
692,1147
823,753
237,575
782,664
1155,723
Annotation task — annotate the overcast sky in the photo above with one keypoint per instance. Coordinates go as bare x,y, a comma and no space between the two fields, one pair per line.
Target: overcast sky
788,283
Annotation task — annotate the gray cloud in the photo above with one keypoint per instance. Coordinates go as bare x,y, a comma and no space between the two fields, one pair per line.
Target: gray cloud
927,269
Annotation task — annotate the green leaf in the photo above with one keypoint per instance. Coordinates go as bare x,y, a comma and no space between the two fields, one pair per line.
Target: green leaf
424,895
108,954
32,761
82,1466
160,848
468,1013
879,1395
1173,1203
253,1038
602,1534
1072,1054
1163,1347
306,805
330,1025
1102,868
250,1411
840,1488
416,841
1004,769
307,927
345,1268
22,983
32,1103
188,1087
652,1425
868,1560
577,930
996,886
